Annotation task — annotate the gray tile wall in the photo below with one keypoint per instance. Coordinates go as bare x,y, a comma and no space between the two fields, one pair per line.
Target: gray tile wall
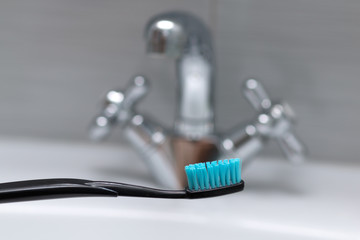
58,58
307,52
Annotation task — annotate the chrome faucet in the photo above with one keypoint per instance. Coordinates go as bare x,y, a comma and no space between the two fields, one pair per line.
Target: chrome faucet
186,39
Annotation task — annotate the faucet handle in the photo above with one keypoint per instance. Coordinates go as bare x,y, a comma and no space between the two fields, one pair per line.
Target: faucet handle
283,120
256,95
292,147
136,90
275,120
118,108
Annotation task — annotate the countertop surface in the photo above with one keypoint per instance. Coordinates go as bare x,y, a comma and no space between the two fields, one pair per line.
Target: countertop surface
314,200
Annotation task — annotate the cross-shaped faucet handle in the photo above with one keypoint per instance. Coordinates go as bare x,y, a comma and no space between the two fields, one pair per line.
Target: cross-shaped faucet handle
119,107
274,120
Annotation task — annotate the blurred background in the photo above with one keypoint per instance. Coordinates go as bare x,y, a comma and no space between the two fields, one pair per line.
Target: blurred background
59,58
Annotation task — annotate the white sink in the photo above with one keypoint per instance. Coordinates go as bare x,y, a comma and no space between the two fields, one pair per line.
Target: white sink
280,200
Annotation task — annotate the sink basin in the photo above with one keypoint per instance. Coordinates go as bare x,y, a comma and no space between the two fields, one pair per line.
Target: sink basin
280,201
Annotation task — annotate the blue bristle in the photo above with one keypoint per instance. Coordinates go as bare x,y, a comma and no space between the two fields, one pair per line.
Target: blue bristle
227,172
206,177
222,168
233,171
210,170
189,177
238,169
214,174
193,176
200,176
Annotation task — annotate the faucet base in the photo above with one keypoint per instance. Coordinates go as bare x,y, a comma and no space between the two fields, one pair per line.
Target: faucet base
192,151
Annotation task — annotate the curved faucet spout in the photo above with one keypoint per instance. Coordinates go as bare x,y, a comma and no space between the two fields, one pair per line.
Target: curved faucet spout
175,33
184,37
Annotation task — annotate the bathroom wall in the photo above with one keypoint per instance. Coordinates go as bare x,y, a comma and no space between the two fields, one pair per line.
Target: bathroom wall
58,59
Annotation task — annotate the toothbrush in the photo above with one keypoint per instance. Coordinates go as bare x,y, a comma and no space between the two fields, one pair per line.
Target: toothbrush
208,179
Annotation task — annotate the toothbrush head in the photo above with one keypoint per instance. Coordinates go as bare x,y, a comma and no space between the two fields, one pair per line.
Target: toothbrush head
214,178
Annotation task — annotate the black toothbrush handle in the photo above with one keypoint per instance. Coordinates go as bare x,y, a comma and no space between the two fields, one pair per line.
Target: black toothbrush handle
69,187
49,189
